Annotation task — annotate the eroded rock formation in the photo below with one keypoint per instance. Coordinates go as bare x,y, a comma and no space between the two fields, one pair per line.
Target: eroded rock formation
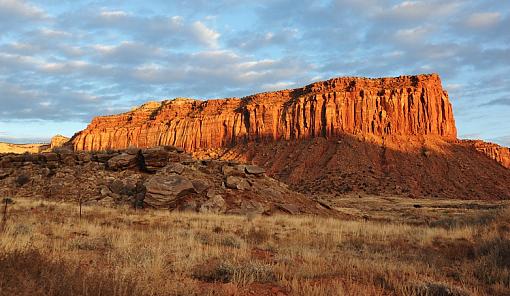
406,105
494,151
58,141
392,136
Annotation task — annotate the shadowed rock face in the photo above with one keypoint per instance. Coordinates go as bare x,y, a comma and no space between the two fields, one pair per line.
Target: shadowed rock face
412,167
406,105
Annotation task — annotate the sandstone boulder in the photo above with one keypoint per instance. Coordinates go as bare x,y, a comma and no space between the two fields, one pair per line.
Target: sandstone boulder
51,156
254,170
235,182
122,162
216,204
200,185
289,209
68,158
155,158
103,157
236,170
4,173
162,191
83,157
174,167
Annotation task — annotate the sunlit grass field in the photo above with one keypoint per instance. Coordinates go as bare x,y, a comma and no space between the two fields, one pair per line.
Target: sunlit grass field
441,248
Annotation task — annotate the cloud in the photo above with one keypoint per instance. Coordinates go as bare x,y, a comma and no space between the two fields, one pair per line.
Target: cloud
252,41
19,8
483,20
174,31
503,140
16,12
413,11
498,102
204,34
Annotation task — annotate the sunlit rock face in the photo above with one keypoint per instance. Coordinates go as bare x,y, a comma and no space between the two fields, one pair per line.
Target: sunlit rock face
385,107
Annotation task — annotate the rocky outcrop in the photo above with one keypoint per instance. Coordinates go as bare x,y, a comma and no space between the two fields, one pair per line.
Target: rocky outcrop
173,181
405,105
493,151
58,141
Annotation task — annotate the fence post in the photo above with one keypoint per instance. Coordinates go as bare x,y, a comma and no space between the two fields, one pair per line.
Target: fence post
4,217
80,206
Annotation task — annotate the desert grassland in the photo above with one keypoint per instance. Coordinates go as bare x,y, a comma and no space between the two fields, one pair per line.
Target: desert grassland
45,249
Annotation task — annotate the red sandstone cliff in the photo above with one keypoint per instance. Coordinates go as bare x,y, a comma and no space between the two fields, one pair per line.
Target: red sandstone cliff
405,105
380,136
496,152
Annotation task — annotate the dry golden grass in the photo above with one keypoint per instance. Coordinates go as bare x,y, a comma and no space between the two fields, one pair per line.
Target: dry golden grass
46,250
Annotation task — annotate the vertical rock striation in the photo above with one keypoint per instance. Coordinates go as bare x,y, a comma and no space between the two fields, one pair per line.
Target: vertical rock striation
405,105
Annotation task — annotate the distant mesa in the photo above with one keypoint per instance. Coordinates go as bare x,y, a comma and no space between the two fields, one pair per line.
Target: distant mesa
56,142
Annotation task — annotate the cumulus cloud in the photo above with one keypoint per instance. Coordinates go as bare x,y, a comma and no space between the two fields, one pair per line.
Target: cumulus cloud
19,8
15,13
205,34
483,19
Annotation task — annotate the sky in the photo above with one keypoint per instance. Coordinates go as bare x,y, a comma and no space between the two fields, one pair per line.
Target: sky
64,62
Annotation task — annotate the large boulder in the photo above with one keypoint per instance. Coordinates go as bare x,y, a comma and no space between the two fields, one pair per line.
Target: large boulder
174,167
200,185
104,157
235,182
254,170
163,191
155,158
215,204
122,162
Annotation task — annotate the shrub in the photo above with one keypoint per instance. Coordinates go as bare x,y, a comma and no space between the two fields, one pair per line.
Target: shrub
214,270
91,244
22,180
254,271
231,241
257,235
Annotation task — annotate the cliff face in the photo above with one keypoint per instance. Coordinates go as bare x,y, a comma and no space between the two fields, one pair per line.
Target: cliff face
494,151
406,105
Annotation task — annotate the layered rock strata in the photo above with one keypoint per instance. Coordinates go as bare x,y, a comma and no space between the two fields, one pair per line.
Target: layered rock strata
405,105
494,151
